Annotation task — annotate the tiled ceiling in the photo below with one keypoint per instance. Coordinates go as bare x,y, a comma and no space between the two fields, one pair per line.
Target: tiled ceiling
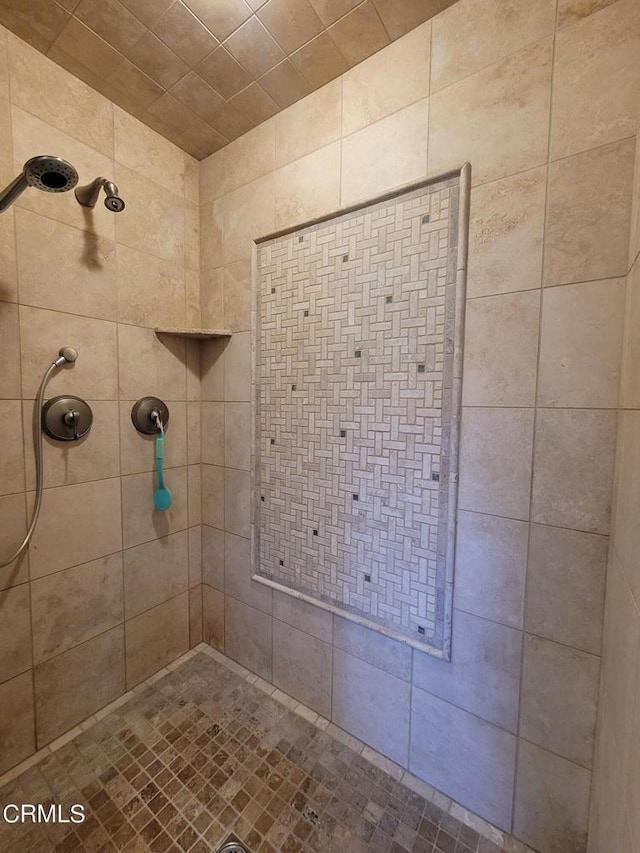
203,72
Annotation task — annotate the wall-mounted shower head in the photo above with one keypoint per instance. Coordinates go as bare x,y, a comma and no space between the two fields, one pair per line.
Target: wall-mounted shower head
50,174
88,195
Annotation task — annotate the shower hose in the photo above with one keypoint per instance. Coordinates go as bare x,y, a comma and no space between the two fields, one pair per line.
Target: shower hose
38,445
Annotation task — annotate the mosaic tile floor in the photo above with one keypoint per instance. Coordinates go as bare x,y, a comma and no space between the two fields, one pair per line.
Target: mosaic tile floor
202,753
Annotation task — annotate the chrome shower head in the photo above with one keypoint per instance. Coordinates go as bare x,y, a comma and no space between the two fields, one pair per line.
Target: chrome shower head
50,174
88,195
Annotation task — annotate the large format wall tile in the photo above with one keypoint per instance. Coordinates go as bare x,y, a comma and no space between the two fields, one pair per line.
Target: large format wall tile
248,637
158,296
12,459
463,756
149,366
237,575
10,385
137,451
382,652
302,667
630,384
142,522
626,540
16,723
147,153
307,617
213,557
308,188
155,572
13,525
156,637
15,632
310,124
213,617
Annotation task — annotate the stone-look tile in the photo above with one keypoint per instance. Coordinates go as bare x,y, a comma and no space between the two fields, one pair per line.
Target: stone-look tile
365,173
607,812
74,685
465,41
141,521
497,118
163,233
303,615
249,157
237,369
463,756
137,451
34,77
626,535
213,568
212,369
237,497
359,33
213,617
387,82
212,298
291,22
570,11
194,435
13,525
95,456
150,366
630,383
308,188
501,350
193,388
155,572
213,496
156,637
74,605
77,524
319,61
237,435
237,296
9,277
15,632
596,87
552,801
565,586
374,648
254,104
372,705
559,698
483,676
211,173
12,460
631,781
506,232
158,297
248,637
254,48
491,564
495,461
588,215
634,242
146,152
309,124
16,724
213,433
85,262
248,213
195,616
93,376
195,555
237,575
573,468
211,230
194,491
302,667
581,343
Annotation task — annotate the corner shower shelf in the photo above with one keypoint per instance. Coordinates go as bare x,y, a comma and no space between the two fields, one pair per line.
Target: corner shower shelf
198,334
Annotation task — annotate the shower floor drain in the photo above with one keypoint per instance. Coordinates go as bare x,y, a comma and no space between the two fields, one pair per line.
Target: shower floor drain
233,845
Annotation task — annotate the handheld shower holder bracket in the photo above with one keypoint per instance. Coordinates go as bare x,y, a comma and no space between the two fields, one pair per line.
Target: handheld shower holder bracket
143,415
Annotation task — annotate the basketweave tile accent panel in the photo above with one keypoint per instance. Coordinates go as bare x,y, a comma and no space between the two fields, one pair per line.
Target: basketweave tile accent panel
357,412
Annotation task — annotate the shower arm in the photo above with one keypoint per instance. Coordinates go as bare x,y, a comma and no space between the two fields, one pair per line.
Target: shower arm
88,194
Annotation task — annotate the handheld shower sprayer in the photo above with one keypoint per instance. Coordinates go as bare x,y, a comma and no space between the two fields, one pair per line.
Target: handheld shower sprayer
88,195
66,355
50,174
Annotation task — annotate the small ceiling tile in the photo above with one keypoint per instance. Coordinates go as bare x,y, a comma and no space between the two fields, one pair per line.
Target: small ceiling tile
222,17
171,115
221,71
112,21
131,89
285,84
254,47
147,11
359,34
230,123
197,95
69,5
44,18
401,16
329,11
200,140
319,61
87,48
78,69
24,31
180,30
157,61
254,103
290,22
256,4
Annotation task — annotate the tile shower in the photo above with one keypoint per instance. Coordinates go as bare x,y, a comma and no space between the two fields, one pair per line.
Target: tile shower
109,594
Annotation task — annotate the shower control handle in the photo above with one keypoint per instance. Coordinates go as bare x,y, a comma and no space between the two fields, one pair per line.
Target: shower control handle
147,413
66,418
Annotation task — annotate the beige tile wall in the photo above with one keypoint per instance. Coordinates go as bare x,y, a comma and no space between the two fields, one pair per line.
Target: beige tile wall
615,813
110,591
551,139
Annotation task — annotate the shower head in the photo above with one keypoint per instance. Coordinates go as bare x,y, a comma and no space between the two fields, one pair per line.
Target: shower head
88,195
66,355
50,174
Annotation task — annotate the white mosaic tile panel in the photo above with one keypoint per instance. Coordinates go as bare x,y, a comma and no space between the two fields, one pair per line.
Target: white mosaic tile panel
354,365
